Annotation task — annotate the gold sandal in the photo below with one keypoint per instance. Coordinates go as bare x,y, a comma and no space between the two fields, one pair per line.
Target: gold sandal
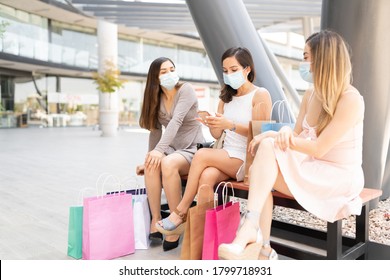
169,228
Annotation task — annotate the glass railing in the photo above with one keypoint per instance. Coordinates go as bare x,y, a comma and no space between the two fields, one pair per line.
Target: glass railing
23,46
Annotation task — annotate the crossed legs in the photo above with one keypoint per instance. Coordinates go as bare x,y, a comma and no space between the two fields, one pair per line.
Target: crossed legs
208,166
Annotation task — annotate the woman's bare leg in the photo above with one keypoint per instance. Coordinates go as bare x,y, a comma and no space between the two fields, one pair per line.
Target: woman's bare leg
172,167
203,159
153,188
266,215
209,177
264,173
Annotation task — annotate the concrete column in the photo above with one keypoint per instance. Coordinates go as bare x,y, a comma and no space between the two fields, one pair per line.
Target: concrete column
307,26
365,26
224,24
107,35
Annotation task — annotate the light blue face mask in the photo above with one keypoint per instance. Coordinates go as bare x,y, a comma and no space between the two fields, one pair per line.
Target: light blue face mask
235,80
169,80
304,71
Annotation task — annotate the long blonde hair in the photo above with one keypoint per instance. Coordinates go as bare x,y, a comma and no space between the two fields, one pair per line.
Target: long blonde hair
332,71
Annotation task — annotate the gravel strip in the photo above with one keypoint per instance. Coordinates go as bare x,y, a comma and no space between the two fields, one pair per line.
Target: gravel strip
379,230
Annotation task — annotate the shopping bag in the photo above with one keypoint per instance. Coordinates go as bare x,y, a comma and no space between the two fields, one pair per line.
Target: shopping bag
75,227
130,186
75,232
276,126
141,213
108,226
255,128
221,224
191,248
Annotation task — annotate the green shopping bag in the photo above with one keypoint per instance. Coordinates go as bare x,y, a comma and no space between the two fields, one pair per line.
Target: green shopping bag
75,232
75,226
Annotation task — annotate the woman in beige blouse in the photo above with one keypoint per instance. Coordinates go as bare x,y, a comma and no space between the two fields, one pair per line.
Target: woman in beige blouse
172,105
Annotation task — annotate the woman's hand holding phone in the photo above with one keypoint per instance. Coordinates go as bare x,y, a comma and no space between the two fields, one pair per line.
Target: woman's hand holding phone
202,117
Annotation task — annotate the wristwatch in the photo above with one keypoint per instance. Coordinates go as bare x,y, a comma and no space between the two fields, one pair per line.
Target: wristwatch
234,127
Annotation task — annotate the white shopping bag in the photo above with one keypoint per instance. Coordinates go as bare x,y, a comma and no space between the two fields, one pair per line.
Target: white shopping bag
141,214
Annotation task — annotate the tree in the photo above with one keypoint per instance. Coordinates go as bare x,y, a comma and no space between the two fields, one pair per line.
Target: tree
108,81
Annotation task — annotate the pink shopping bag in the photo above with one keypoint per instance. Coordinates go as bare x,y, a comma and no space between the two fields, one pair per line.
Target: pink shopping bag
108,227
221,225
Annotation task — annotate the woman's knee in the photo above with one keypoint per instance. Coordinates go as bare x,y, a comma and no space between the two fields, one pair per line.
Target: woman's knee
209,176
200,156
151,173
267,143
169,167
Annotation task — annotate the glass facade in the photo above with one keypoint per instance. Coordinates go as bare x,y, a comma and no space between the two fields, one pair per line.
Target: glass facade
72,45
60,44
42,41
32,36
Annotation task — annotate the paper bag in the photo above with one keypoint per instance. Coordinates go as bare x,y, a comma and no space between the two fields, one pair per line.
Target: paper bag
191,248
255,128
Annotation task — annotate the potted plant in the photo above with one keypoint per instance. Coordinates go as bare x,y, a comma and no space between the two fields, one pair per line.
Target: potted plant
108,83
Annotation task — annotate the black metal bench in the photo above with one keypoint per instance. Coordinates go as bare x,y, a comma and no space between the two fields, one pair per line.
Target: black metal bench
329,244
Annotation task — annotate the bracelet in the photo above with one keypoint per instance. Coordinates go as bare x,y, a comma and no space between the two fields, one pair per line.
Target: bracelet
234,127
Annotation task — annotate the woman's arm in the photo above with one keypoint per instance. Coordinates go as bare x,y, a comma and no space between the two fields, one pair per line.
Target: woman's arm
154,137
216,132
282,137
153,157
187,98
261,105
261,109
302,112
349,111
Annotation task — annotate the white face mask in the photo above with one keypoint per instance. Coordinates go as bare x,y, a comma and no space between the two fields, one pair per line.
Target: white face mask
235,80
169,80
304,71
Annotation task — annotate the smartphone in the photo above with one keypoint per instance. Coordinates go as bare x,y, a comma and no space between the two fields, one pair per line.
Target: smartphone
203,114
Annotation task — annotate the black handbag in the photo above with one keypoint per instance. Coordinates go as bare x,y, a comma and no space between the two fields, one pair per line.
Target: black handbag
205,145
218,144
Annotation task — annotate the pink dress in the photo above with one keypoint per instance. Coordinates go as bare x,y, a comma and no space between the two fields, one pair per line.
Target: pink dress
327,187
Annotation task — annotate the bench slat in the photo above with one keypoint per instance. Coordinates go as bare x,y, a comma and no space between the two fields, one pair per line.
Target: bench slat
335,242
366,194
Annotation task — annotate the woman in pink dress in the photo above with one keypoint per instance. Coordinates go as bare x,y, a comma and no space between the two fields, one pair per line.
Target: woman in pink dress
319,162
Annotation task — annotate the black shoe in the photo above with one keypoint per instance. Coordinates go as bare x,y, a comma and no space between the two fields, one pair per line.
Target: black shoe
156,236
169,245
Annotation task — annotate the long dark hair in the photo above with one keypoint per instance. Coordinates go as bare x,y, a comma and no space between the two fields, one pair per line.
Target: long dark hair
243,57
152,95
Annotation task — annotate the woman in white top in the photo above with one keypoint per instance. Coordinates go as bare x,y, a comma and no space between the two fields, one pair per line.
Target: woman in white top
240,100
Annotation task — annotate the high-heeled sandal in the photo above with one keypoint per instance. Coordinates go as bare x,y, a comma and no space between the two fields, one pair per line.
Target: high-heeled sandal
169,228
235,251
156,236
170,245
272,255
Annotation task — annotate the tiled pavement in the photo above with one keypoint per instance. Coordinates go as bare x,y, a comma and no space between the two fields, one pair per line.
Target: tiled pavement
42,171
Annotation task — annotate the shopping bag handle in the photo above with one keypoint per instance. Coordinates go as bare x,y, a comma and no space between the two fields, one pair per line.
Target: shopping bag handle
281,110
81,195
132,179
108,176
224,193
